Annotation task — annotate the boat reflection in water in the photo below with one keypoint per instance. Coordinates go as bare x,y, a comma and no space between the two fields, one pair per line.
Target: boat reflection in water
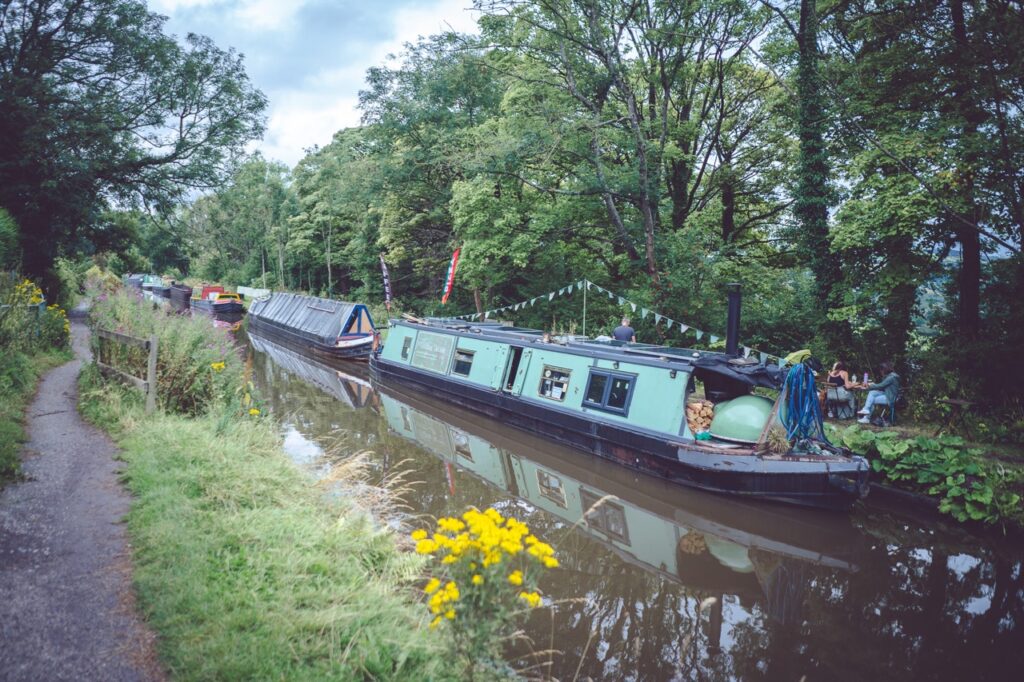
797,592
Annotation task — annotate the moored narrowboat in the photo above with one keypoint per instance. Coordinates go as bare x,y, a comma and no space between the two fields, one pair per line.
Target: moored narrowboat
180,294
319,326
151,281
214,300
625,402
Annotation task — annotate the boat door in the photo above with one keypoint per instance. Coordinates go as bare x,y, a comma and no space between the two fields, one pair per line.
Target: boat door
515,374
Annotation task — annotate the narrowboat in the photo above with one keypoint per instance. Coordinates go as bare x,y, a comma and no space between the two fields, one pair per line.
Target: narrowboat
319,326
132,281
162,289
214,300
180,295
626,402
151,281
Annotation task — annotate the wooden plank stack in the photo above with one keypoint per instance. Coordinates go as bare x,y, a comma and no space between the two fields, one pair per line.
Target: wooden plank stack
699,413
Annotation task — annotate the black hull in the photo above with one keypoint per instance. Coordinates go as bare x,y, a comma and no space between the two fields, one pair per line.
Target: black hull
834,484
211,308
181,297
162,292
303,344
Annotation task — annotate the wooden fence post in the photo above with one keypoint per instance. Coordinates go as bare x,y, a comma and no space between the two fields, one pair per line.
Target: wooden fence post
151,376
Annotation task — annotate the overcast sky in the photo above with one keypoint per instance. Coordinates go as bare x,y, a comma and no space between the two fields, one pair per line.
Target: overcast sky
310,56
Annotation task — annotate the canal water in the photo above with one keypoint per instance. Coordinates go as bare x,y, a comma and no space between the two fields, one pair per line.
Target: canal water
787,593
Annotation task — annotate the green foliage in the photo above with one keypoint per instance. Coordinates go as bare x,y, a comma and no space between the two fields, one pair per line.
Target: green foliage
27,324
199,368
9,255
243,568
968,486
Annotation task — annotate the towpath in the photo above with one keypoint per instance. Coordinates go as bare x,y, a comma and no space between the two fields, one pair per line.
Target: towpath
66,605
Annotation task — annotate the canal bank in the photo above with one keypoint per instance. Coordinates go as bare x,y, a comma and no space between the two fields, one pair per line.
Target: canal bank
873,594
243,567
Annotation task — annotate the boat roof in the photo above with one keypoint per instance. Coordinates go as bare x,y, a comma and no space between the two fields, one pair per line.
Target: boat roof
319,317
725,367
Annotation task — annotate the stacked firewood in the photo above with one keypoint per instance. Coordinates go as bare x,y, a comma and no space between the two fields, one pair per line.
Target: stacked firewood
699,413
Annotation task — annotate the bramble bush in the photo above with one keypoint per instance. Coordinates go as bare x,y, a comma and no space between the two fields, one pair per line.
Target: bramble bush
487,572
199,368
969,487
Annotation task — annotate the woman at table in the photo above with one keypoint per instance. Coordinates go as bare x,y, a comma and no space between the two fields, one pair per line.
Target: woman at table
839,379
884,392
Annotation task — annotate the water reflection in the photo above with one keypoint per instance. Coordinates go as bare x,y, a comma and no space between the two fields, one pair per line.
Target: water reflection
798,593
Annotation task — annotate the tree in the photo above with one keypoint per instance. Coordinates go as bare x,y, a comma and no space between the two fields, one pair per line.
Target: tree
98,105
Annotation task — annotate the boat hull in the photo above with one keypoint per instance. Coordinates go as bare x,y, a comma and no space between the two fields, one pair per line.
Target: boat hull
181,296
213,308
354,353
831,484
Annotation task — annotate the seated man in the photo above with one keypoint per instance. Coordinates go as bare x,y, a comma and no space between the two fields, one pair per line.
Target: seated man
624,332
884,392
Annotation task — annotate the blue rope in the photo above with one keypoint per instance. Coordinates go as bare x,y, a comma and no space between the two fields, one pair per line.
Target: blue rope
803,413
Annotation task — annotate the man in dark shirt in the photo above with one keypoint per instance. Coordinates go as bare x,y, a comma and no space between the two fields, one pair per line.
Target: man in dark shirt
624,332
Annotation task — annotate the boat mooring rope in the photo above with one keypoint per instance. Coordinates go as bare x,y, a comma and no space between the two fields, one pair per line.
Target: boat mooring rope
803,412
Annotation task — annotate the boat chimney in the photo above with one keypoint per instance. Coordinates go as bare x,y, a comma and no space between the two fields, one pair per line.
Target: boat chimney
732,329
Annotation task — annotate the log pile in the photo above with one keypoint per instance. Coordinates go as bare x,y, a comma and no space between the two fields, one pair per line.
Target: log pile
699,414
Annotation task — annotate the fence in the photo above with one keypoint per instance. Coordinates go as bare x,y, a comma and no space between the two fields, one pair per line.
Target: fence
147,385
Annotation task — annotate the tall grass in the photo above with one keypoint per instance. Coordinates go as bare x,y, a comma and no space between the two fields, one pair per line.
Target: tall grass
243,567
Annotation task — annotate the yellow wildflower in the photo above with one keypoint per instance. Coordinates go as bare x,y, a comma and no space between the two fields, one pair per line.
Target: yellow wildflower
478,579
450,614
419,534
217,366
432,586
253,411
434,623
550,562
531,598
515,578
426,547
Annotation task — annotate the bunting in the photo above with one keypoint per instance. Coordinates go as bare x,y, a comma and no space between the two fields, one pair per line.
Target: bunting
451,276
387,282
684,328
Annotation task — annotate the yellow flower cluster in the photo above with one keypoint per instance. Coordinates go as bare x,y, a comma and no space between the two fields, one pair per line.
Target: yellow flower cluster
442,599
26,292
253,411
217,366
486,536
60,311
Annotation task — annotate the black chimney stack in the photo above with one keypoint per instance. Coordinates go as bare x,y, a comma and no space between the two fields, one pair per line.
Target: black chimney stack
732,329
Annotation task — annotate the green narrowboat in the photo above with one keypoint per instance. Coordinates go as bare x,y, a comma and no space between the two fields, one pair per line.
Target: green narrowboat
624,402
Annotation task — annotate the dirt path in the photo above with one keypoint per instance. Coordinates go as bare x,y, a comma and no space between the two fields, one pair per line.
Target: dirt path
66,606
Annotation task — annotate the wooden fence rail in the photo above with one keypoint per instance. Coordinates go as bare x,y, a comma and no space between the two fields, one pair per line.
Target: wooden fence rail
147,385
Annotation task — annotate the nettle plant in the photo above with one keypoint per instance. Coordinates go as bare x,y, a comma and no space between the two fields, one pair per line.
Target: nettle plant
969,489
485,579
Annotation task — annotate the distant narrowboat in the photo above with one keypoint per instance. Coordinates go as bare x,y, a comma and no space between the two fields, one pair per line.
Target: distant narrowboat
151,281
215,300
319,326
181,295
624,402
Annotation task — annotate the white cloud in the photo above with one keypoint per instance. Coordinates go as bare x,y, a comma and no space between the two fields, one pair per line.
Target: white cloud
328,99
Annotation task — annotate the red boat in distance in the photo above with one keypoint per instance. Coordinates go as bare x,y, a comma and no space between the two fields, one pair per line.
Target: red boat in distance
214,299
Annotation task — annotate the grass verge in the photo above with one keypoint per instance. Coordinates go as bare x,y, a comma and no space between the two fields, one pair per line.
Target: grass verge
19,376
242,566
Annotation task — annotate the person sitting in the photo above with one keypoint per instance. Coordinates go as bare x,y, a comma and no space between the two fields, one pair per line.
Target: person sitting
624,332
837,390
884,392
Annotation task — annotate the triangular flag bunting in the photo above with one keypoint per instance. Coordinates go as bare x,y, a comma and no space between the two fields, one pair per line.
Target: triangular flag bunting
699,334
762,357
669,324
632,306
746,351
569,289
643,313
657,318
683,328
714,339
551,295
561,291
610,295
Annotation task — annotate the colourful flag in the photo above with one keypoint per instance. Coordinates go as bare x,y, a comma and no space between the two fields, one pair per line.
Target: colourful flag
387,282
451,277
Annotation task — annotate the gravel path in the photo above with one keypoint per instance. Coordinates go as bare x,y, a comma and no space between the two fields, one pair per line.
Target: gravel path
66,604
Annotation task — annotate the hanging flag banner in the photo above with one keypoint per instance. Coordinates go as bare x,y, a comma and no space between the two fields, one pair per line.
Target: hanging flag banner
387,282
657,319
763,358
713,338
683,328
451,276
632,306
746,351
551,295
579,284
643,313
561,291
699,334
569,289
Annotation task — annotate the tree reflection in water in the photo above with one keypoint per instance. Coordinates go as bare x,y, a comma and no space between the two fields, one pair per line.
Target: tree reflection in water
909,600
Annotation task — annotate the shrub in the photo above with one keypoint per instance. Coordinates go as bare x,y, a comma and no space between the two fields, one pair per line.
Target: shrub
26,324
198,366
968,486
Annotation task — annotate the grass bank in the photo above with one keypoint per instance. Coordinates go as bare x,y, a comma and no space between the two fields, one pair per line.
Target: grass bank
19,376
243,568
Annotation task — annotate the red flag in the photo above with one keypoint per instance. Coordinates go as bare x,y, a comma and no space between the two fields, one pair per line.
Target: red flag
451,277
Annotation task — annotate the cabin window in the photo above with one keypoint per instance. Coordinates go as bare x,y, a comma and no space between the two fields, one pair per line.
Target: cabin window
554,383
609,391
608,517
463,362
551,487
406,345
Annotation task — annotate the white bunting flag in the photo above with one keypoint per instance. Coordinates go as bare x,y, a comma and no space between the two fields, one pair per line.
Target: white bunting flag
699,334
551,295
714,339
657,318
762,358
610,295
746,351
643,313
683,328
561,291
632,306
